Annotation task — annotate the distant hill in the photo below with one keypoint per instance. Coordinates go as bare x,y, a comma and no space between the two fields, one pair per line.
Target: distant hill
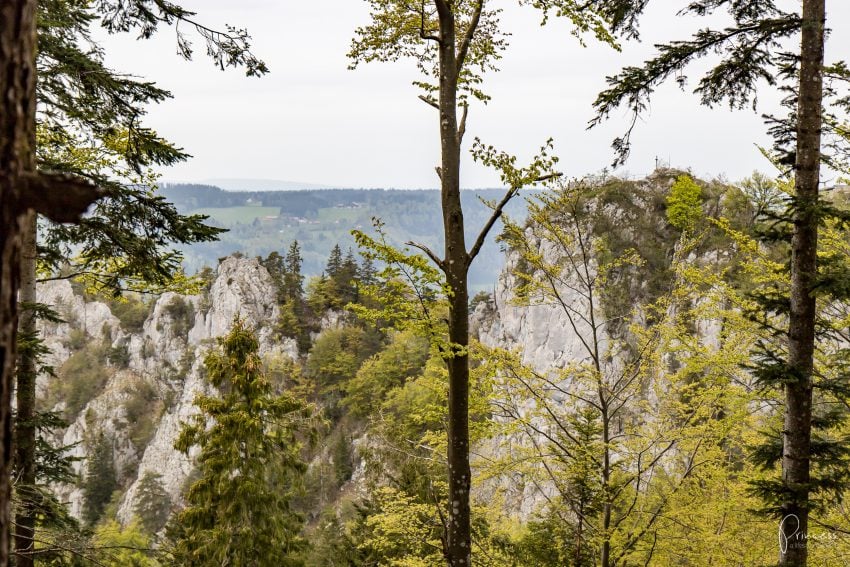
260,222
234,184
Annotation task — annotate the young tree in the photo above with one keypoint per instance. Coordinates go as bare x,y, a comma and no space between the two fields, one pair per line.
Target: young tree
605,441
751,52
100,480
454,44
238,512
153,504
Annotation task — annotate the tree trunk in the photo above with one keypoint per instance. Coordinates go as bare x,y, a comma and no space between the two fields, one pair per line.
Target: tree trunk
455,266
801,337
17,124
605,559
25,396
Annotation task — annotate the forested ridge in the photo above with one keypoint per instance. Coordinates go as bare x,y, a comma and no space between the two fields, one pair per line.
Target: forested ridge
257,221
564,370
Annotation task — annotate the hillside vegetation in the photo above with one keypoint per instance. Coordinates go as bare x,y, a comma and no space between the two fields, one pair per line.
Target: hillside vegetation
258,221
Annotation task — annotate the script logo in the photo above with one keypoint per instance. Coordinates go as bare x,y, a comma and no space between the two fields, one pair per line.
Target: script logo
783,538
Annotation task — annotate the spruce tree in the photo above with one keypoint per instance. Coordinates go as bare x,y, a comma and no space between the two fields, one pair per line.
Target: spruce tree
100,480
293,281
238,512
153,505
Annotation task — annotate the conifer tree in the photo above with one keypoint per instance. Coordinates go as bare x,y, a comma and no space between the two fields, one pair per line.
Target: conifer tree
751,54
100,479
239,510
293,283
24,192
334,265
90,125
153,505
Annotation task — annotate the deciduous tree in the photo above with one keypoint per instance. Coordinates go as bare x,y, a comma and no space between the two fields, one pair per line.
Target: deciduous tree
751,54
453,44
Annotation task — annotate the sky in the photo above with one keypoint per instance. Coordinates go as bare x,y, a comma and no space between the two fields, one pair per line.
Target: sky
312,120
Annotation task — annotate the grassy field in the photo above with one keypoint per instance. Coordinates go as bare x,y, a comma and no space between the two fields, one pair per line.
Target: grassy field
232,215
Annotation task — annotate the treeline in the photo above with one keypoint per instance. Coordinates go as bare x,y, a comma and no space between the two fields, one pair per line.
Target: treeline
307,203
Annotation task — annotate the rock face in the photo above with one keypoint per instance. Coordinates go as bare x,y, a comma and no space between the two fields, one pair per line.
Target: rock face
166,358
541,331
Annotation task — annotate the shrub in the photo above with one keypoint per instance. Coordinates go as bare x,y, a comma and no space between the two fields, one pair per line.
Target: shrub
80,379
182,315
131,312
142,409
684,204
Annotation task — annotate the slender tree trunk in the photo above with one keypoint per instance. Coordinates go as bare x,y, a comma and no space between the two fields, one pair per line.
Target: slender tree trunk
17,122
25,396
455,265
605,559
798,391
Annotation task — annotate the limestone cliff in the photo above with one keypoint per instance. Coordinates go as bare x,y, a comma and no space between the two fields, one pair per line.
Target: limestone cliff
165,359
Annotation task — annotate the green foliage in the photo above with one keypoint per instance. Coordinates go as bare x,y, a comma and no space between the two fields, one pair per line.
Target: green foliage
341,455
119,356
182,315
131,312
81,378
684,204
153,504
297,315
403,532
337,354
129,546
143,408
404,357
100,480
238,511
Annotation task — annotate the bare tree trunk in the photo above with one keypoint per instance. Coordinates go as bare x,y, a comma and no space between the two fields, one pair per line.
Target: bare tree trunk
605,560
17,122
25,396
455,265
801,337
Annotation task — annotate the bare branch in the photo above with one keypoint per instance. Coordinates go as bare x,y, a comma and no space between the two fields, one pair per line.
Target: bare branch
470,33
429,101
59,197
497,214
430,253
422,33
461,129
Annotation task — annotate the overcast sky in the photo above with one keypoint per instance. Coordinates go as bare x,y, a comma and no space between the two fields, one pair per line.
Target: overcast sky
312,120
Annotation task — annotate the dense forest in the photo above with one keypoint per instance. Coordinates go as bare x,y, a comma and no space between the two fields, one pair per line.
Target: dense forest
580,371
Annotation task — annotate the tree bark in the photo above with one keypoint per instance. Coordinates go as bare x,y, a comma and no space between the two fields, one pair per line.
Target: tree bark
801,336
17,124
25,432
61,198
458,545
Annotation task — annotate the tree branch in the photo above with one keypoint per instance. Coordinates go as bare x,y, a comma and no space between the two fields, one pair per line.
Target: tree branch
467,38
59,197
461,129
429,101
430,253
422,33
497,213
